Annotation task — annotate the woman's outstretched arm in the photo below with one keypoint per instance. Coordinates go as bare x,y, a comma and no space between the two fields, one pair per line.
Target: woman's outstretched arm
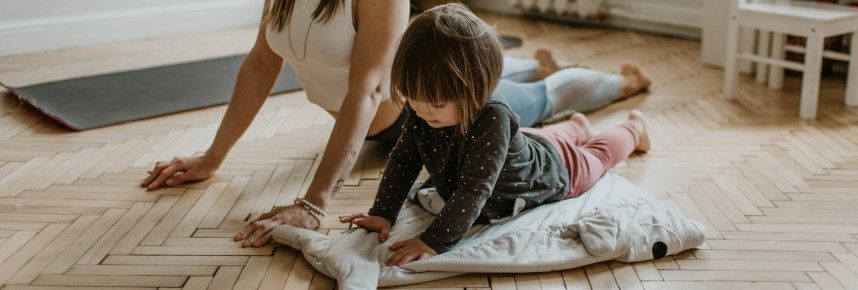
380,24
379,27
252,86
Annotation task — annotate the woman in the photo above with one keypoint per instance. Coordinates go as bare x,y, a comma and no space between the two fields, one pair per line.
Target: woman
341,51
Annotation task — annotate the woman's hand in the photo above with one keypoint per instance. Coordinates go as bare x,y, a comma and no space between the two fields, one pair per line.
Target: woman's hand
376,224
409,250
258,232
179,171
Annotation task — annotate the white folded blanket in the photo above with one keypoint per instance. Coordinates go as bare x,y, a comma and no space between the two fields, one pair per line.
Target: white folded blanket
614,220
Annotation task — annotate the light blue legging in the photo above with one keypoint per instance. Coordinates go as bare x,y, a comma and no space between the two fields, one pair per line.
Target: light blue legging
578,89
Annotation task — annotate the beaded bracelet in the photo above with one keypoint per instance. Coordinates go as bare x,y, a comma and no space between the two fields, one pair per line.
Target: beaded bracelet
314,211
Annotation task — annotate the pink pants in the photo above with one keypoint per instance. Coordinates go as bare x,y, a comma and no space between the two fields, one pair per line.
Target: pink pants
588,161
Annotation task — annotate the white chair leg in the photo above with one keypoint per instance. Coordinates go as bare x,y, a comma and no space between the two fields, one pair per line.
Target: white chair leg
776,73
731,73
852,78
746,44
762,50
810,78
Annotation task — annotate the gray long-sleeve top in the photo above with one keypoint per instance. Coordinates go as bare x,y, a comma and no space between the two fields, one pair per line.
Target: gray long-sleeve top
479,175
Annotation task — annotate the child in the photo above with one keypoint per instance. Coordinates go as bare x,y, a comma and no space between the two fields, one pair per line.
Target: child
445,71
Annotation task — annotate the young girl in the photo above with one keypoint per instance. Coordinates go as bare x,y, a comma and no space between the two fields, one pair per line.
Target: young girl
445,70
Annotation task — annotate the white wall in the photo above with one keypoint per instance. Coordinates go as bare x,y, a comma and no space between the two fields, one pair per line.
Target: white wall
39,25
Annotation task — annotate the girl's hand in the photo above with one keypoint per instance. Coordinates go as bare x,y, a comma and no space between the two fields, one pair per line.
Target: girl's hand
258,232
376,224
178,171
409,250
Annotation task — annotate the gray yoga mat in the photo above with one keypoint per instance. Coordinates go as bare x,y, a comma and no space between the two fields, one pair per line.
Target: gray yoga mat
103,100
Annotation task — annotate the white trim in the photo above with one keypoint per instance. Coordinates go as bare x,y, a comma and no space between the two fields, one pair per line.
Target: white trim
42,34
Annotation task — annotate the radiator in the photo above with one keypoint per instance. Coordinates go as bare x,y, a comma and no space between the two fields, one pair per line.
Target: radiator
577,8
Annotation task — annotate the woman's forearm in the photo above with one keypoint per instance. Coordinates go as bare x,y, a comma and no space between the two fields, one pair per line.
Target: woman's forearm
253,84
343,147
379,26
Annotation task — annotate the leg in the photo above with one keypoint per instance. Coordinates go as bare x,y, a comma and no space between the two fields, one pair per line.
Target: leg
762,50
527,70
582,90
633,80
748,36
527,100
810,78
547,65
776,73
576,131
731,73
852,81
605,150
518,69
588,161
578,89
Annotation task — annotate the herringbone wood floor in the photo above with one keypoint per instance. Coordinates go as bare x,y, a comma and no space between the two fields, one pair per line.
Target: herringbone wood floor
778,195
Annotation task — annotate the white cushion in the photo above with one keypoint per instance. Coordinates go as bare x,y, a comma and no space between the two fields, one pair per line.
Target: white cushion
614,220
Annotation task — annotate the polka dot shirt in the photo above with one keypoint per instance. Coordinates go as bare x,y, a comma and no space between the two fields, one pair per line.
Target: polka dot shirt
479,174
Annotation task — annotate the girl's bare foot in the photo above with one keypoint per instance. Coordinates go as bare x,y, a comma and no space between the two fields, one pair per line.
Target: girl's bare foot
633,80
637,119
582,121
545,63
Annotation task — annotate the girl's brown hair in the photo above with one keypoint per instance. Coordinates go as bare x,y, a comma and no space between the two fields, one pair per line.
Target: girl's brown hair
448,54
280,12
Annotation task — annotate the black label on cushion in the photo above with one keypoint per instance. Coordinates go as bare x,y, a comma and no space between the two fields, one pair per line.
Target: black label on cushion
659,250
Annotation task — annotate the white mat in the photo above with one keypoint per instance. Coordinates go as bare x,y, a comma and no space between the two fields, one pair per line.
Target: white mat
614,220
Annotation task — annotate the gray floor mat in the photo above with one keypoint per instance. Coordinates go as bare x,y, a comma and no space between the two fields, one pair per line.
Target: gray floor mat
103,100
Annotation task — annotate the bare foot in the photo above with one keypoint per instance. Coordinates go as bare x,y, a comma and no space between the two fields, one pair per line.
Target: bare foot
637,118
545,63
584,123
633,79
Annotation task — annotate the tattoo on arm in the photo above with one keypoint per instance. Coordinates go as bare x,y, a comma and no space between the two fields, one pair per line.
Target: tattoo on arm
351,158
338,185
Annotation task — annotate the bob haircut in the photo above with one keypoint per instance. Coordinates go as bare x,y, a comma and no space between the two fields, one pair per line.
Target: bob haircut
448,54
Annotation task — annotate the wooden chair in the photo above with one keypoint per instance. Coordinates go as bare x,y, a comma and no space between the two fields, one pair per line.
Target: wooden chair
815,21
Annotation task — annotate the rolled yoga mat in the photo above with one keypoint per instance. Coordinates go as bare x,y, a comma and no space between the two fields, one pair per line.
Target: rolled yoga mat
108,99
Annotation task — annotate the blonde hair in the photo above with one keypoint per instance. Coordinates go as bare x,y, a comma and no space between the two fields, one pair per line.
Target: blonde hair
278,14
448,54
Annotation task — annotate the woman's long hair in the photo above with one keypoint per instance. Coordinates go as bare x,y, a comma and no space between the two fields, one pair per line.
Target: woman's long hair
279,13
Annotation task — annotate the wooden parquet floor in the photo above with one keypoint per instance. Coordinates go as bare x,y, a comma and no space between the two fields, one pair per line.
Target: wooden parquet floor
779,196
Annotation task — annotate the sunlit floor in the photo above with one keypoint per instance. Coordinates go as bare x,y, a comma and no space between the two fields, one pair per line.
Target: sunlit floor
779,196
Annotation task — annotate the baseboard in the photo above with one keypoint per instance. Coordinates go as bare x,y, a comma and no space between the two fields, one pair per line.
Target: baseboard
643,16
658,13
43,34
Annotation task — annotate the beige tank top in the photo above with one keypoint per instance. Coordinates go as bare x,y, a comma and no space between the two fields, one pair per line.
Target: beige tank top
323,67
